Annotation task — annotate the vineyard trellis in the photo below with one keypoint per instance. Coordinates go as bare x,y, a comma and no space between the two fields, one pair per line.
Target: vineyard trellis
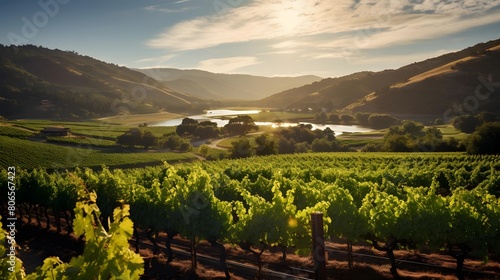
443,202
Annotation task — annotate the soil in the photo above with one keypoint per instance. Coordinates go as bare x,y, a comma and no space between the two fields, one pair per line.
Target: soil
38,242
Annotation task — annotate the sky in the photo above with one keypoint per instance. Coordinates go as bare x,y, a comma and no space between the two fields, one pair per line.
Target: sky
328,38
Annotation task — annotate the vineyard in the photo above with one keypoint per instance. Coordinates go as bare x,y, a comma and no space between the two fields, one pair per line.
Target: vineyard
443,203
30,154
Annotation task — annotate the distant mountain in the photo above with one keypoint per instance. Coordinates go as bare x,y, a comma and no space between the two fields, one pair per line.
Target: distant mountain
209,85
429,87
41,83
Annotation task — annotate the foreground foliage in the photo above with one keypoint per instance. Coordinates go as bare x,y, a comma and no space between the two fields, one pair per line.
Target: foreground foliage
106,254
447,203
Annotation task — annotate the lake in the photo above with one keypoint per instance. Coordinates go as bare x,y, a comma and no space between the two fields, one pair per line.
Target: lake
212,115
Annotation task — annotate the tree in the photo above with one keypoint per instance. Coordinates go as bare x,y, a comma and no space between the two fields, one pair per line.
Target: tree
240,125
149,140
131,138
397,143
413,129
486,117
302,147
381,120
321,117
334,118
206,131
173,142
432,141
467,124
242,148
329,133
266,145
203,150
188,126
346,118
321,145
485,139
362,118
433,133
185,146
286,146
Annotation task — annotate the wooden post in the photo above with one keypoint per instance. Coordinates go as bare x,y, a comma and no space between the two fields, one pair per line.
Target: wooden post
318,239
193,253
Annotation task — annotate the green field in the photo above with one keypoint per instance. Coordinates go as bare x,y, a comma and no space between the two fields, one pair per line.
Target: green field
14,132
99,130
283,116
82,141
28,154
450,131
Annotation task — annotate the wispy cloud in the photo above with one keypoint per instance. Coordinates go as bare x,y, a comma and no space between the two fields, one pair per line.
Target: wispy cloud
228,64
157,8
373,24
160,59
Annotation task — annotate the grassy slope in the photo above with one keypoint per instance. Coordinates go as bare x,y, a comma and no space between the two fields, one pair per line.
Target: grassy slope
89,129
29,154
139,119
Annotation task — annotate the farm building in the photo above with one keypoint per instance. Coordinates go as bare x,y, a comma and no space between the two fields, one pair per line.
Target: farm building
54,131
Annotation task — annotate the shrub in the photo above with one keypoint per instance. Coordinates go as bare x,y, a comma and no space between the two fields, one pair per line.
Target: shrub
485,139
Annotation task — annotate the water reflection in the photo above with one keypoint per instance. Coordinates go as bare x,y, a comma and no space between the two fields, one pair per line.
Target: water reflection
212,115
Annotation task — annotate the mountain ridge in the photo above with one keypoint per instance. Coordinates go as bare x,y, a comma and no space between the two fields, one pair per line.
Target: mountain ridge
356,93
225,86
40,82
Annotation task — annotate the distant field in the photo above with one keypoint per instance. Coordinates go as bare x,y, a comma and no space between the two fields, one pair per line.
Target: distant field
227,143
283,116
98,130
450,131
140,118
358,143
83,142
14,132
29,154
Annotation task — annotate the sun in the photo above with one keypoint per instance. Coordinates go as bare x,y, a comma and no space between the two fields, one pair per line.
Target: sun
289,15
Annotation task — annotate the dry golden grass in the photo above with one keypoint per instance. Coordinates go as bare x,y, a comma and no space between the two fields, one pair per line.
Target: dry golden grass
445,69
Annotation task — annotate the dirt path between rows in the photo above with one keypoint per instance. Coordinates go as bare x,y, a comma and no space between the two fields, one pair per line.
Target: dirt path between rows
37,243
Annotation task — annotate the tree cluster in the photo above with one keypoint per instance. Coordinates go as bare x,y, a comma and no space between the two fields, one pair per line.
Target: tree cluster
378,121
240,125
289,140
469,123
485,139
411,136
136,137
175,142
374,120
202,130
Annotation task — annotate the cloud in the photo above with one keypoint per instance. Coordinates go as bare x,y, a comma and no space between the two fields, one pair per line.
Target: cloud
372,23
156,59
157,8
228,64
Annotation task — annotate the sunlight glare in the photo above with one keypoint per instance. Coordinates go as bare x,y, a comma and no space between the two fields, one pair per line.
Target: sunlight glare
289,15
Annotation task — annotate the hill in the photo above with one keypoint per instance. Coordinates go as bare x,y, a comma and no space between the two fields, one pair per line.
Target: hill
465,86
218,86
429,87
41,83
